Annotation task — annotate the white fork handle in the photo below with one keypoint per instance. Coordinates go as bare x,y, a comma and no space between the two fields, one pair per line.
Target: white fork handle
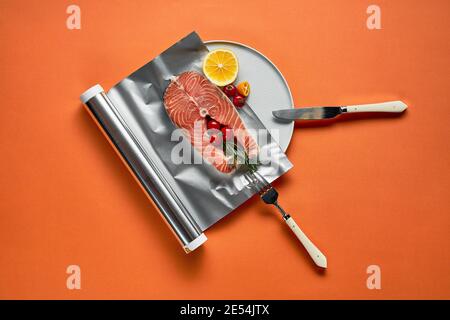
391,106
317,256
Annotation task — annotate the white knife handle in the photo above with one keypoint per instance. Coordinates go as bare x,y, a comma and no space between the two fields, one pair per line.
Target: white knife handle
391,106
317,256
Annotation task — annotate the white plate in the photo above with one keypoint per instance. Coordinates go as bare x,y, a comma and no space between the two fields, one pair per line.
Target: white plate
269,90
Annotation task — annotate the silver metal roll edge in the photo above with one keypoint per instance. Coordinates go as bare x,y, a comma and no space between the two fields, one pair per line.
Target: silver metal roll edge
105,114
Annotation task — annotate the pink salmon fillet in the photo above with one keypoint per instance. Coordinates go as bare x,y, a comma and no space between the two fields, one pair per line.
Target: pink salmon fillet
188,99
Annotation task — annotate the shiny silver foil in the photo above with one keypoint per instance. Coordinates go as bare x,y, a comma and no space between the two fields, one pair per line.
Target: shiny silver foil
191,197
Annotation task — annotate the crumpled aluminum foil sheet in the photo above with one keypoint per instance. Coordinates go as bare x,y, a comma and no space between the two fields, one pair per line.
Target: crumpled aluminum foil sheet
202,194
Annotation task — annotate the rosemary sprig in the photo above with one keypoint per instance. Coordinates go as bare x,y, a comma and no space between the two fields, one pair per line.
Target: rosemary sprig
240,157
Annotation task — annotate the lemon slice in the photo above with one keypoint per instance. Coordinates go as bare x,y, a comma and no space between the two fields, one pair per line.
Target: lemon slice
221,67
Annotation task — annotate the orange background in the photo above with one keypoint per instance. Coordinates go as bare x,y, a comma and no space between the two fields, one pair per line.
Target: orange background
369,191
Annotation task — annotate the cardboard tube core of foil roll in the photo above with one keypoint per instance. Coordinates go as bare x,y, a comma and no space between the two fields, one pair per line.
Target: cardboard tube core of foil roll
115,129
90,93
194,244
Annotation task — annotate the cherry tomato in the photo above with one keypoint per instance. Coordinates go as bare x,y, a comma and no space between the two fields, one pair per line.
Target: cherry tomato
213,124
230,90
238,101
227,134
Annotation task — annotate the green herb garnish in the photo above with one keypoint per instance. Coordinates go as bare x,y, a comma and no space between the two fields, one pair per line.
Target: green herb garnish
240,157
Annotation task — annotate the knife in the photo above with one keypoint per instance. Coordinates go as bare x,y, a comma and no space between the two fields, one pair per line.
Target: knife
315,113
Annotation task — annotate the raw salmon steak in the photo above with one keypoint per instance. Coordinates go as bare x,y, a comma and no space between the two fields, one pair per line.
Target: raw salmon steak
189,99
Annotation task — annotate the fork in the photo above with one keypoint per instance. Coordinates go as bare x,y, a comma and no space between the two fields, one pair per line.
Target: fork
270,196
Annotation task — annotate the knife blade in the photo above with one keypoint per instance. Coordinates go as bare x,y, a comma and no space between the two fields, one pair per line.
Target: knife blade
315,113
312,113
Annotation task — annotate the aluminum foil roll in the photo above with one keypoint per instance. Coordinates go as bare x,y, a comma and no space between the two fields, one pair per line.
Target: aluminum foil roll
190,196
